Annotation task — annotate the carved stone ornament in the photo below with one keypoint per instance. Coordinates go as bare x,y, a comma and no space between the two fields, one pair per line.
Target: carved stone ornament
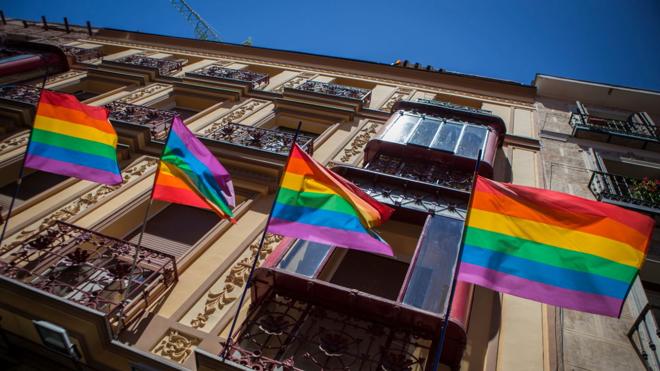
398,95
176,346
298,80
63,76
80,204
236,115
356,146
142,92
14,142
234,280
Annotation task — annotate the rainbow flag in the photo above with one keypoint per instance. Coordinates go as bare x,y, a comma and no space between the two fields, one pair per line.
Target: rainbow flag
315,204
189,174
553,247
73,139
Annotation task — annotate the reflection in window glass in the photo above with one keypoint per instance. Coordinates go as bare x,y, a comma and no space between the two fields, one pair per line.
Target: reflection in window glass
304,257
424,133
447,137
400,129
431,277
472,141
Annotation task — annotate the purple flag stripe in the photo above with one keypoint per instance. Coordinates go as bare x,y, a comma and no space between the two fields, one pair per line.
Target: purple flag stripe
533,290
329,236
74,170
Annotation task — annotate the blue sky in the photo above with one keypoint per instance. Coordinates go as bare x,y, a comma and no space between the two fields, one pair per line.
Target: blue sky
609,41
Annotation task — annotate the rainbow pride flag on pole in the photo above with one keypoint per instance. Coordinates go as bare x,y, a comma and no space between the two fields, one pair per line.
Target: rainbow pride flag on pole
315,204
73,139
553,247
189,174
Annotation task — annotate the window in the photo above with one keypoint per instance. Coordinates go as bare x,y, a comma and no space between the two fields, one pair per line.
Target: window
32,185
305,257
431,276
438,134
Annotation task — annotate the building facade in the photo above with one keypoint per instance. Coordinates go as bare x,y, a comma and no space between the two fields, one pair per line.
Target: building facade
409,137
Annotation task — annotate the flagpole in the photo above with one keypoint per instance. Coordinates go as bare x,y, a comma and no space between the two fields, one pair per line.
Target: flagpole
445,323
21,171
258,252
142,230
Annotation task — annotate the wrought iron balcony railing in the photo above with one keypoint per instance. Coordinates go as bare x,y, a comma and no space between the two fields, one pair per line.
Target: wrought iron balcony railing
255,79
158,121
644,335
82,54
165,67
20,93
341,91
269,140
434,173
630,129
449,105
288,334
641,194
91,269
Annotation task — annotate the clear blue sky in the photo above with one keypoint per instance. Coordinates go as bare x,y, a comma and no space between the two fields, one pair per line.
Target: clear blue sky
609,41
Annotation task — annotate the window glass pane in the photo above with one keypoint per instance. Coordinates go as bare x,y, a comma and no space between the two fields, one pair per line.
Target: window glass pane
400,130
431,277
472,141
304,257
447,137
424,133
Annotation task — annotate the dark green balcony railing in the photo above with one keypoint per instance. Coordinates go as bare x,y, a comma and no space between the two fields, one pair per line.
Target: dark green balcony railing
634,130
641,194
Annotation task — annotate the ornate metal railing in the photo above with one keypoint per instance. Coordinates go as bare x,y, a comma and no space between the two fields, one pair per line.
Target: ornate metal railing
90,269
644,335
289,334
255,79
165,67
158,121
335,90
628,128
264,139
449,105
82,54
429,172
642,194
20,93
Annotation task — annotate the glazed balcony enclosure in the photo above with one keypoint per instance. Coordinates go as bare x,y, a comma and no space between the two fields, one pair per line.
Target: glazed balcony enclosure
86,268
324,307
438,135
637,130
633,193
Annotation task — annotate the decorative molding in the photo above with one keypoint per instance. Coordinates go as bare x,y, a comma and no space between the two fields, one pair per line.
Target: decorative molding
235,115
294,82
72,74
317,70
399,94
234,279
80,204
14,142
143,92
176,346
355,147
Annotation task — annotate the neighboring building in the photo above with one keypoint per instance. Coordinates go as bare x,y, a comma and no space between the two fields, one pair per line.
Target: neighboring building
409,137
601,141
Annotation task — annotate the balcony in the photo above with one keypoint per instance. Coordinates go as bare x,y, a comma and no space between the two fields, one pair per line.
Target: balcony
637,128
165,67
254,79
24,94
289,334
267,140
633,193
92,270
334,90
157,121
